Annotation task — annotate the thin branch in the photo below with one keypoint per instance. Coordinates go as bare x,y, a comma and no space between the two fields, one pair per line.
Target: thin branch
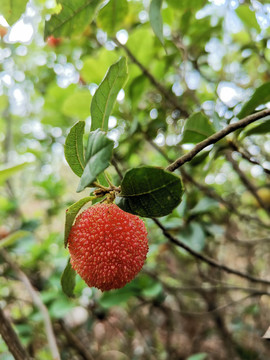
216,137
75,342
11,338
234,302
214,195
206,289
247,156
206,259
172,99
208,190
247,243
248,184
37,301
117,169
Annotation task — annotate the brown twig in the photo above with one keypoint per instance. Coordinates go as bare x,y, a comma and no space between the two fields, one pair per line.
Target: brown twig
247,156
216,137
11,338
209,191
224,288
248,184
206,259
75,342
37,301
167,95
214,195
117,169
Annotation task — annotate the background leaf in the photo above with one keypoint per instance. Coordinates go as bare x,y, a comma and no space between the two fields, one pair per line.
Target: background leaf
9,171
13,237
12,10
77,105
258,128
74,148
248,17
111,16
199,356
260,96
94,65
156,19
106,94
68,280
71,213
98,154
204,205
197,128
72,19
150,192
194,236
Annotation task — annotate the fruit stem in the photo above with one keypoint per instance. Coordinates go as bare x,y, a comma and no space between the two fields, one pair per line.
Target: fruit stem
108,180
98,185
109,192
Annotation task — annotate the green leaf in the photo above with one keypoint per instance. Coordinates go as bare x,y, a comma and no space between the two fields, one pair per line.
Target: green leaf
68,281
98,154
106,94
94,65
74,148
73,18
259,128
141,43
71,213
3,102
260,96
12,10
150,192
9,171
153,290
54,99
77,105
204,205
199,356
111,16
199,159
116,297
156,19
197,128
194,236
186,4
13,237
248,17
137,89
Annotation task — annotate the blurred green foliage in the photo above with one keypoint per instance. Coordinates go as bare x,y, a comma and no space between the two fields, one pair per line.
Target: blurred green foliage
215,70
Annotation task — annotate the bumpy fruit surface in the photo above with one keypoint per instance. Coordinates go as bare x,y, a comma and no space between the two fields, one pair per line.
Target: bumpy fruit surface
107,246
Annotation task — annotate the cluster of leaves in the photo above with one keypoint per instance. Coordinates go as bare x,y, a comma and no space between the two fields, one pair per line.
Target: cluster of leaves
145,191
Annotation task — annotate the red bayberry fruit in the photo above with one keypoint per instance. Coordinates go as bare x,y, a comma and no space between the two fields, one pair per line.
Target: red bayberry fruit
4,232
107,246
53,42
3,31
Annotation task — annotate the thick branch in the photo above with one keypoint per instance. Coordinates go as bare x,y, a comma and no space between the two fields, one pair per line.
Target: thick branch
206,259
216,137
38,302
11,339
